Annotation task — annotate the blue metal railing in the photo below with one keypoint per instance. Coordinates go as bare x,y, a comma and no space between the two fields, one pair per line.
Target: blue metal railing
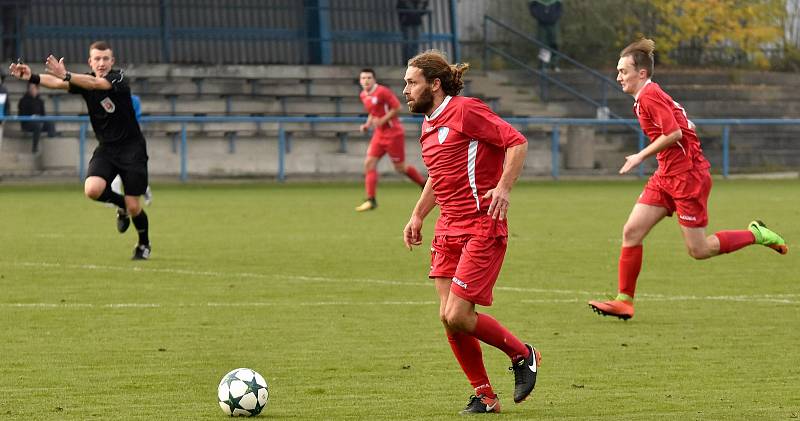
606,83
283,135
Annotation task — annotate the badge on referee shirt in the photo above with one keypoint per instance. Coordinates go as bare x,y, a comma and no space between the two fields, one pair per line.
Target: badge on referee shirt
108,105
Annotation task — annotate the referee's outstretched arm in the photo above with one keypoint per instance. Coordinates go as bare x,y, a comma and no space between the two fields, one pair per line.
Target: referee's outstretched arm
23,72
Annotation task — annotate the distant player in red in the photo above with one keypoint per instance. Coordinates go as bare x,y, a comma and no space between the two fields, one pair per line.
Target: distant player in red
473,158
681,184
388,136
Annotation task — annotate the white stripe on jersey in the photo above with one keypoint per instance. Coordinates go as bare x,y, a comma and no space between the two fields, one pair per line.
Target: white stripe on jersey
472,154
386,111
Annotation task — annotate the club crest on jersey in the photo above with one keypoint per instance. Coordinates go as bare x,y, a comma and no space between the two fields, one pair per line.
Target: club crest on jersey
108,105
374,100
443,131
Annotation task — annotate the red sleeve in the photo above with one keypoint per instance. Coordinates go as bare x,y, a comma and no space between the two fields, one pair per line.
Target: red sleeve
479,122
388,97
660,113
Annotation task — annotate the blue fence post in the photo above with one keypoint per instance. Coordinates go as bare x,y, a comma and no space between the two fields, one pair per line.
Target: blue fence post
281,153
318,30
454,31
726,140
184,175
82,153
555,138
166,30
641,146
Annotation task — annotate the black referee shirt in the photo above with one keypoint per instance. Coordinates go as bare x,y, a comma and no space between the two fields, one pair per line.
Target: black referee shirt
111,112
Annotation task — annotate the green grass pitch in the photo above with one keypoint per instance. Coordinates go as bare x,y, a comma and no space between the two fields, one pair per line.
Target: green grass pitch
342,321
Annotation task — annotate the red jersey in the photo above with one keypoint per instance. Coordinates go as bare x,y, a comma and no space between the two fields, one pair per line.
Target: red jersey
659,114
379,101
464,146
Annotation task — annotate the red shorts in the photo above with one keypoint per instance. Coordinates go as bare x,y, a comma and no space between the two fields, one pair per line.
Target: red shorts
393,144
472,261
687,193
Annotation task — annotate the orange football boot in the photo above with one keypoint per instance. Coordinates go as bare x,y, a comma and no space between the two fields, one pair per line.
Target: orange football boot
617,308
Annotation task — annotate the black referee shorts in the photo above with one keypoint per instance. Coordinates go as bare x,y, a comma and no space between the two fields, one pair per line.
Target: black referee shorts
128,160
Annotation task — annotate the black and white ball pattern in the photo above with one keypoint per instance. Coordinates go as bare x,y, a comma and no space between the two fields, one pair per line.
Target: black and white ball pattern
243,392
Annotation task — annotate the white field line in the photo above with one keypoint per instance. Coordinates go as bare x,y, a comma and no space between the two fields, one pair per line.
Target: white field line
770,298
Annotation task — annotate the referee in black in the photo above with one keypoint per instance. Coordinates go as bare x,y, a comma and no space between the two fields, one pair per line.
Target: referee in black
122,149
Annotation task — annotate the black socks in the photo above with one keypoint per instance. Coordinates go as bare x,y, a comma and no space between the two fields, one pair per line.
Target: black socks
109,196
141,224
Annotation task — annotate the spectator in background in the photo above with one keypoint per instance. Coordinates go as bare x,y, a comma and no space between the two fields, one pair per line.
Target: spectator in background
32,105
547,14
410,13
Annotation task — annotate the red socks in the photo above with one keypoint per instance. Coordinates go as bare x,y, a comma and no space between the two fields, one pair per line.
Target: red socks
730,241
371,180
467,350
371,183
630,263
415,176
490,331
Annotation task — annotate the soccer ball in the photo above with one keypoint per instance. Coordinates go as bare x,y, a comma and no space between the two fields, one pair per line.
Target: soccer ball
242,393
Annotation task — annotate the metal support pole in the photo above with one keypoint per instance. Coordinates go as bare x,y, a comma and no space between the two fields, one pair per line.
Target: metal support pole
184,175
555,138
726,143
454,30
281,153
166,30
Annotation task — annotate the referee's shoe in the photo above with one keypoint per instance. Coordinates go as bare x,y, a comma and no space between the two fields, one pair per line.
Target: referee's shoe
123,220
141,252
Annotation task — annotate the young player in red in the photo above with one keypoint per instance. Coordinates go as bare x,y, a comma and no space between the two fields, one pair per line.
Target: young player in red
389,137
681,184
473,158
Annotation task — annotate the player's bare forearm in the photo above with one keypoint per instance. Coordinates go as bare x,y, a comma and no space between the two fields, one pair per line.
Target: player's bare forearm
661,143
412,233
426,202
658,145
388,116
515,160
500,195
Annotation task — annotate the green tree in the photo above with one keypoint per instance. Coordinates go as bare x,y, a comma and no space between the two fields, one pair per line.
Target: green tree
721,29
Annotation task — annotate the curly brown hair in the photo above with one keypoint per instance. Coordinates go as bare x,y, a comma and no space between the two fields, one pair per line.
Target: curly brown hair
434,65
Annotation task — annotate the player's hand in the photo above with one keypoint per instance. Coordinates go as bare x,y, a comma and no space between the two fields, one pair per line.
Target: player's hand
55,66
631,161
363,128
412,233
498,208
20,71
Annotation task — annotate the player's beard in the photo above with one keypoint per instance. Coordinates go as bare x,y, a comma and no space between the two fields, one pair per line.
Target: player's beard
424,103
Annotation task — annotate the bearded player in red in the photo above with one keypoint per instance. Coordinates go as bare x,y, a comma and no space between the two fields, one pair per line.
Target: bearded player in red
681,184
388,136
473,158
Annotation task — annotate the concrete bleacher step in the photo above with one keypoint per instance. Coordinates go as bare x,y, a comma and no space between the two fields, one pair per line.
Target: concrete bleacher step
20,163
16,157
